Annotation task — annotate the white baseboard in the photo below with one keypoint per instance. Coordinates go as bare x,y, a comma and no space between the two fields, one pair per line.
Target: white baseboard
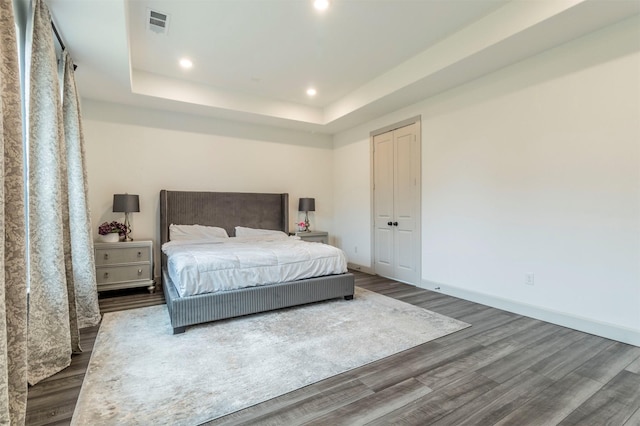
587,325
365,269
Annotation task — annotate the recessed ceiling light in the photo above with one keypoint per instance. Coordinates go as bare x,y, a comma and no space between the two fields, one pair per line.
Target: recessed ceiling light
311,91
186,63
321,4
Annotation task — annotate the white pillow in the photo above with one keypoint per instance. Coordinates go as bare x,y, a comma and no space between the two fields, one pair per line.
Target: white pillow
241,231
195,232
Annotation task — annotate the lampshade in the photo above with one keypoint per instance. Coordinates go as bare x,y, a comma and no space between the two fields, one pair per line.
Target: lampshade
307,205
126,203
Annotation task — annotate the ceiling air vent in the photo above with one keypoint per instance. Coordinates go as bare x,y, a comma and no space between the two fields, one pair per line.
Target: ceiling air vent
157,22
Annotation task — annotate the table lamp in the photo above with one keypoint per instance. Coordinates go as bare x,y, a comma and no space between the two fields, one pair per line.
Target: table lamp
126,203
306,205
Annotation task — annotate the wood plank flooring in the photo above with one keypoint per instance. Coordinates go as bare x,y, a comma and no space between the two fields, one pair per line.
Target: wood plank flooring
504,370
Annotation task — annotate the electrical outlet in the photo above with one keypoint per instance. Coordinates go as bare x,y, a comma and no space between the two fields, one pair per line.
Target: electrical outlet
529,278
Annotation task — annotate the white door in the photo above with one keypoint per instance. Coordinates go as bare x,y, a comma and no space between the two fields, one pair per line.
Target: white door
383,188
396,194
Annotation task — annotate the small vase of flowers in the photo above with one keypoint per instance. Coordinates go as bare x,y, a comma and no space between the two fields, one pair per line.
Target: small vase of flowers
112,232
302,227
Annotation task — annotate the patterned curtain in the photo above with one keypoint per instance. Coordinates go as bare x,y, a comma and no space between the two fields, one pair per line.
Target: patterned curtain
60,296
13,278
84,271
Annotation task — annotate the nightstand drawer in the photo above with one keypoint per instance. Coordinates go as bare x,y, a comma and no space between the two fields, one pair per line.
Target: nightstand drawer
316,239
111,256
116,274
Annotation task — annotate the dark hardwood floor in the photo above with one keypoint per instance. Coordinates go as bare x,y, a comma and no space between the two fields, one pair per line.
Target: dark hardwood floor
504,370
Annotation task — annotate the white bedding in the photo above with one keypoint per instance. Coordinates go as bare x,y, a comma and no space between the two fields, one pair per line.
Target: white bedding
198,267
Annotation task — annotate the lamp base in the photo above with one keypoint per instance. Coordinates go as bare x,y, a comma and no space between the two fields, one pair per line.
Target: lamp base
306,222
127,224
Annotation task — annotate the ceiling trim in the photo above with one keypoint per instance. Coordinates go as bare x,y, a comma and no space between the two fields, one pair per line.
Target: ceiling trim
515,31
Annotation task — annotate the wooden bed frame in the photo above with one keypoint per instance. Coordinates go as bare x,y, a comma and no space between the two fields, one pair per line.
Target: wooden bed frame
228,210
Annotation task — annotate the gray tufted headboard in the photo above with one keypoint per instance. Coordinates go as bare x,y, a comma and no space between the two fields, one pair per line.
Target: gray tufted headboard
224,209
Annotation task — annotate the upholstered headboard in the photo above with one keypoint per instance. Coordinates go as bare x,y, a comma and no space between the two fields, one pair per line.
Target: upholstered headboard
224,209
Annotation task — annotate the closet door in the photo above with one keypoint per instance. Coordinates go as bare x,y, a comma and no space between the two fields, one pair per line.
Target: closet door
383,189
396,204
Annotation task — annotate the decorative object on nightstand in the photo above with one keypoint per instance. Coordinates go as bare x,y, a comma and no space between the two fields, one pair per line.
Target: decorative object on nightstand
124,265
314,236
126,203
306,205
111,232
111,237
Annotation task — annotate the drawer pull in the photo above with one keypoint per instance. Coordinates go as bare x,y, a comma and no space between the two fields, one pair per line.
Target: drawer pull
106,275
106,256
139,271
139,254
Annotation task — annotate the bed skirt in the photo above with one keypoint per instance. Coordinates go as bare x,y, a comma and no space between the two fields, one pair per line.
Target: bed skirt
184,311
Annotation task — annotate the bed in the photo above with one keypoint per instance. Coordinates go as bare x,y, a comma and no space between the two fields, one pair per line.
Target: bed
228,210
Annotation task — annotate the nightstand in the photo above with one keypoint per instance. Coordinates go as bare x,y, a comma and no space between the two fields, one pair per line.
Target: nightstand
314,236
124,265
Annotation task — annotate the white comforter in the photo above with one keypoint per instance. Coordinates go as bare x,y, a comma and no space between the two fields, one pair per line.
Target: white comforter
198,267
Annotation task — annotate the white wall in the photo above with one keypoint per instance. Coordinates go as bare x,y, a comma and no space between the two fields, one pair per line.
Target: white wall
143,151
534,168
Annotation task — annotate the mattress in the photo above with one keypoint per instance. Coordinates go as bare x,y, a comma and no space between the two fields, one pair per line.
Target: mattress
198,267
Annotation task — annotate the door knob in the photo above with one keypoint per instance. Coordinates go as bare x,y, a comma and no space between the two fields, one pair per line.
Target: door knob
395,223
389,223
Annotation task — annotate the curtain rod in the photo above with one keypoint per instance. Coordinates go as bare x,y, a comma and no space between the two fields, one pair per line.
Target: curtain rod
55,31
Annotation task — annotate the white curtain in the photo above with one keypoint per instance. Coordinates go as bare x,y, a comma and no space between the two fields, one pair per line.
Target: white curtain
13,278
63,293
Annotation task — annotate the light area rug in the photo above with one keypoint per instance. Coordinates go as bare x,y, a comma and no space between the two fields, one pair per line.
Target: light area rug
142,374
